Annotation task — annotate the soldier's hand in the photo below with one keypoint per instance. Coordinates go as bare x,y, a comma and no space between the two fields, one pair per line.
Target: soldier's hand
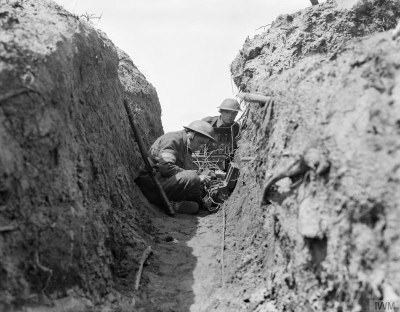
205,179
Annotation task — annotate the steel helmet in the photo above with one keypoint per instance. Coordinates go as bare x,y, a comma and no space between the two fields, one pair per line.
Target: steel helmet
230,104
202,127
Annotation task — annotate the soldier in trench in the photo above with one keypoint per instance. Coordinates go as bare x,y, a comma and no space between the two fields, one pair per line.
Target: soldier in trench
171,157
227,131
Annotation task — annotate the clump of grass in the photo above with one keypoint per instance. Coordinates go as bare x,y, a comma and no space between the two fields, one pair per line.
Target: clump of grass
90,17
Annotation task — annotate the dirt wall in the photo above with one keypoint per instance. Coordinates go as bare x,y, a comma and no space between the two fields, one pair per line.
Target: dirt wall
69,209
329,240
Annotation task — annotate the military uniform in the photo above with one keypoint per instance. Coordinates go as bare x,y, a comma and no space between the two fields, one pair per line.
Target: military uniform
224,148
216,122
175,170
226,139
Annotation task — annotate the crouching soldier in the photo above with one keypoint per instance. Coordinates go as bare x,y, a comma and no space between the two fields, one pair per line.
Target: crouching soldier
171,157
228,110
226,131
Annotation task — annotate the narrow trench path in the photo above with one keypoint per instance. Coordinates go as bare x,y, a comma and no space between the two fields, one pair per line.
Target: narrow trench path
185,268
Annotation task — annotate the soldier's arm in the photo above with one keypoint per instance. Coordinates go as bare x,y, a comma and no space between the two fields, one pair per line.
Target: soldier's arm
168,156
167,163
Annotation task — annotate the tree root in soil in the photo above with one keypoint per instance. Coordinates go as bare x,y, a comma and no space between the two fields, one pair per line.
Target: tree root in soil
145,255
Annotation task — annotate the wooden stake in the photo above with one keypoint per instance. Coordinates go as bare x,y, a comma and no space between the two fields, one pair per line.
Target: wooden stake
253,97
223,246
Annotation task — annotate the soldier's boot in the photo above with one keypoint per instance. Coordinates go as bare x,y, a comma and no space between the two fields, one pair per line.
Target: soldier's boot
186,207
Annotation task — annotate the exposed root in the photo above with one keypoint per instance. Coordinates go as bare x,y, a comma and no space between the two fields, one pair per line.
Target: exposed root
12,94
145,255
43,268
396,31
8,228
298,166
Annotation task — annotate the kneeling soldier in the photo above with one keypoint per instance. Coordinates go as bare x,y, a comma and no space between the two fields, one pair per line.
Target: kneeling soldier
171,155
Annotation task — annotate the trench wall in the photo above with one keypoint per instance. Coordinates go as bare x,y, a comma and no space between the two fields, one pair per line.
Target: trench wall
69,209
329,241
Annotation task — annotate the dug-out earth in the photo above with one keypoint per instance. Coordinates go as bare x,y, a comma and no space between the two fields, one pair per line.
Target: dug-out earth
74,225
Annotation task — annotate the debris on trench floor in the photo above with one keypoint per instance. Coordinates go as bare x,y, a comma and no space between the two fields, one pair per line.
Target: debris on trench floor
185,268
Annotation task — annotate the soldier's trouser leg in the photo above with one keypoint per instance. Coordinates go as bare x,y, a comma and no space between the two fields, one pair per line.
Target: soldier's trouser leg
184,185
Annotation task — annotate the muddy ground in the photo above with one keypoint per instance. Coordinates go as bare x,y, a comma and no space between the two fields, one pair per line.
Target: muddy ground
74,226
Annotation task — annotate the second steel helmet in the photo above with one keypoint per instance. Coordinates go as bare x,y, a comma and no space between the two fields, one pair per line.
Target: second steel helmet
202,127
230,104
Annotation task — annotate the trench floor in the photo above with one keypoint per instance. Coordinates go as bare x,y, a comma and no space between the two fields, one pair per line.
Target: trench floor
185,268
